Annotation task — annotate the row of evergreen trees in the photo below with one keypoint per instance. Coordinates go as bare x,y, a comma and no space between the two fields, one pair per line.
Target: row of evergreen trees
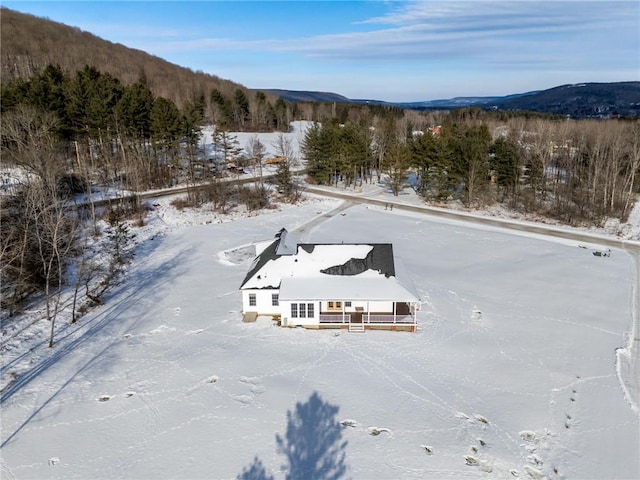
458,158
576,171
91,103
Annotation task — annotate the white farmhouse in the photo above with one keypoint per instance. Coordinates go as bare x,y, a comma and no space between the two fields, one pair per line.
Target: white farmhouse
350,286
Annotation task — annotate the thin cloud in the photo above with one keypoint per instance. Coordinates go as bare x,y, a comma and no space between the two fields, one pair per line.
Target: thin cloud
482,31
137,31
490,14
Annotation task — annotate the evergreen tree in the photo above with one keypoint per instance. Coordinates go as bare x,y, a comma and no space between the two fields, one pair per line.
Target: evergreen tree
226,147
468,147
284,178
222,109
192,120
505,162
134,110
271,119
396,163
282,115
47,92
354,152
13,94
91,98
432,164
166,127
259,118
241,112
317,149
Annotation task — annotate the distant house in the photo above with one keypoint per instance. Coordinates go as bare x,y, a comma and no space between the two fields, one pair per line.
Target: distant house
275,160
342,285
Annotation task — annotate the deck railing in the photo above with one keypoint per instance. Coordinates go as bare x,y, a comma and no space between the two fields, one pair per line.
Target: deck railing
388,319
335,318
366,319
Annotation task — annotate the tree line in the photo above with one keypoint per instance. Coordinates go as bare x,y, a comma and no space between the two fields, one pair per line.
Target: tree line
579,172
67,132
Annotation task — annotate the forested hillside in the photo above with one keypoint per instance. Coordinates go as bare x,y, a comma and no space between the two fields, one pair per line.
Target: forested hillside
585,100
30,43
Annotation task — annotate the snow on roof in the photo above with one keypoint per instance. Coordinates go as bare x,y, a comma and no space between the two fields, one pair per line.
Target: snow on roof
288,244
365,286
308,262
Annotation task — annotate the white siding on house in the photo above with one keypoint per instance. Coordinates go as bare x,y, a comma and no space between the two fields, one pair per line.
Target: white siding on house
354,305
371,306
288,320
263,302
381,307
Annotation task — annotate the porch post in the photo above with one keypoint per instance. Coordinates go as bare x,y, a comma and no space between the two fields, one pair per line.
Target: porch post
368,313
342,303
395,308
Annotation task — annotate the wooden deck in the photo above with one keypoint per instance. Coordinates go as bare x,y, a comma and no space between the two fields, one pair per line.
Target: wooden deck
399,327
403,316
377,317
402,320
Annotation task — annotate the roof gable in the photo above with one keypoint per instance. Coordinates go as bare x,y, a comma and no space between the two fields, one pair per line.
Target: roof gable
286,258
267,255
379,259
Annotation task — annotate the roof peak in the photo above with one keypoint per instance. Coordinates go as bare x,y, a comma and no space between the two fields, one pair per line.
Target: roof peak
287,243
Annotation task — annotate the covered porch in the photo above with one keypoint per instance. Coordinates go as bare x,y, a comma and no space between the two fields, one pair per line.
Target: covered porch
353,303
402,315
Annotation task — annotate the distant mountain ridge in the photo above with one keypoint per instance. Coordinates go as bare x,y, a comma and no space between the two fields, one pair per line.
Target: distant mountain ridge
576,100
306,96
30,43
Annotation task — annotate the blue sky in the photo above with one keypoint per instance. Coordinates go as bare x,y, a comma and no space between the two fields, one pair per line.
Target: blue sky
385,50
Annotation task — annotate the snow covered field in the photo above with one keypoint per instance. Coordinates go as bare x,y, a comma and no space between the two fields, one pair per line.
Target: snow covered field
512,372
270,140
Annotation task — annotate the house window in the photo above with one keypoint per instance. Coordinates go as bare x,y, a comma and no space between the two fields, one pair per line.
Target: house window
252,299
294,310
274,300
334,305
303,310
310,313
347,304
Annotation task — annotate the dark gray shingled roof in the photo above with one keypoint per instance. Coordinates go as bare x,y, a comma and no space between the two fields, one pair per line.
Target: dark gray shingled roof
379,259
260,261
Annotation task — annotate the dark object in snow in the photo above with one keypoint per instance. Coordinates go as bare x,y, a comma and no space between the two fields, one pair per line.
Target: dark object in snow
377,431
470,460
